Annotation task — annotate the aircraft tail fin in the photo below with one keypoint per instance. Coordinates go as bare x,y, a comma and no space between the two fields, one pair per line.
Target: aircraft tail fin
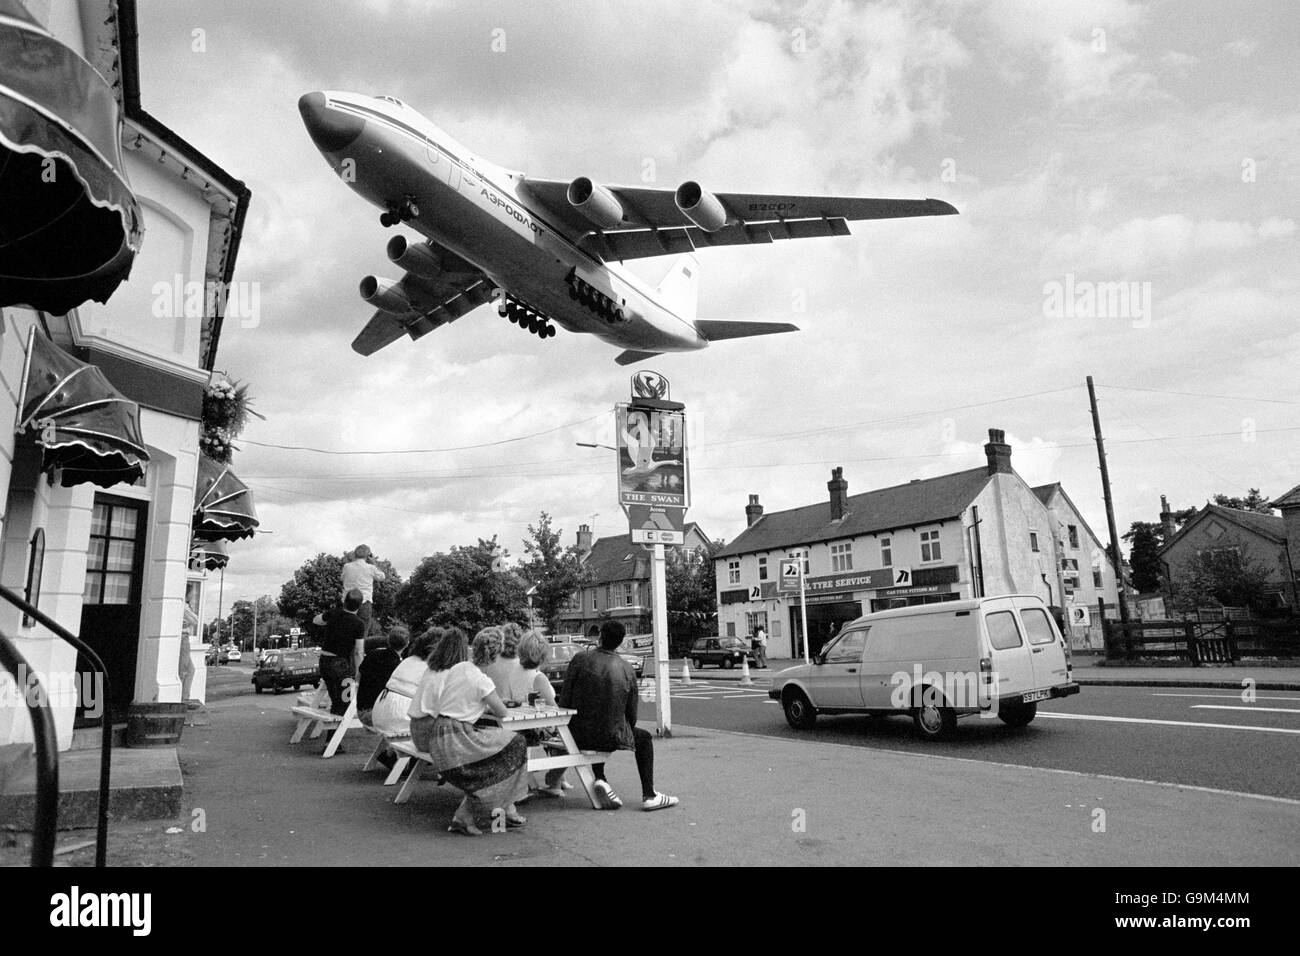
679,289
715,330
632,355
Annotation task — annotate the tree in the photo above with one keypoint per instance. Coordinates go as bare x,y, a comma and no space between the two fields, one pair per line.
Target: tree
316,587
1253,501
1220,577
1145,539
554,571
462,589
692,594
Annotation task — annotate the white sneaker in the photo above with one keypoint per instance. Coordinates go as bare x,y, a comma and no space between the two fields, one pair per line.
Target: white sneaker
607,795
659,801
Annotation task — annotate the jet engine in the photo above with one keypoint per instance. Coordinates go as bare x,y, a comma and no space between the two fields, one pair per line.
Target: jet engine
386,294
416,258
700,207
595,202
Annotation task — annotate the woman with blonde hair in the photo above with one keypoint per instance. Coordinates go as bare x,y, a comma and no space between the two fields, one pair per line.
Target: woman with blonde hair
511,681
487,763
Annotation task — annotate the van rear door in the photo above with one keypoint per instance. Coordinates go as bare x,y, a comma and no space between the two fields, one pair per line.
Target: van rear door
1012,660
1047,653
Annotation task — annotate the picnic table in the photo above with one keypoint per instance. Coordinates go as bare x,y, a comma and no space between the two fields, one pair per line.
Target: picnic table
540,759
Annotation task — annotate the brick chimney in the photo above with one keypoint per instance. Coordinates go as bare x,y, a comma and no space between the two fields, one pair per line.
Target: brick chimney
1166,519
584,539
839,489
998,452
753,511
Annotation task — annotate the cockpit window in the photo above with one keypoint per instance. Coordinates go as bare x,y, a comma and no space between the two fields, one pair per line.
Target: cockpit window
391,99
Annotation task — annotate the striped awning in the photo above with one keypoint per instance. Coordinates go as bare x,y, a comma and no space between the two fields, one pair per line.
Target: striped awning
71,225
223,505
89,430
210,554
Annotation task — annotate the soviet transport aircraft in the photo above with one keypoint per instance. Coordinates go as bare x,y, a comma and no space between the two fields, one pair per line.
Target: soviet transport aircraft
547,251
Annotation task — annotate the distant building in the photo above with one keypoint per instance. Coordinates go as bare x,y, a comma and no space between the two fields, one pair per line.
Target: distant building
618,584
1087,573
967,534
1256,537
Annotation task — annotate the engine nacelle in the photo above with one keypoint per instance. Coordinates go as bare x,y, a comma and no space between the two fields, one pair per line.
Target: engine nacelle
700,207
416,258
386,294
595,202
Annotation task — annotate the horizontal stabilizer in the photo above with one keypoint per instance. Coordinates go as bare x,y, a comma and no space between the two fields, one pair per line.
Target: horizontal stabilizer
632,355
383,329
716,330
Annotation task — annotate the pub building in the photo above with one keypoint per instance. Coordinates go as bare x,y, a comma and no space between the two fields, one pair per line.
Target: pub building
113,519
973,533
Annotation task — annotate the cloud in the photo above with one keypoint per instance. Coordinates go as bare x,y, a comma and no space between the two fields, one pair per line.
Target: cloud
1242,47
1140,246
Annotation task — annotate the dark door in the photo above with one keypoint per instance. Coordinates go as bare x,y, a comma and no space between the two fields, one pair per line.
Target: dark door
825,621
110,612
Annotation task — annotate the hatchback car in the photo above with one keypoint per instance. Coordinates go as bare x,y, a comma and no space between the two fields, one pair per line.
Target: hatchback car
280,669
723,651
234,655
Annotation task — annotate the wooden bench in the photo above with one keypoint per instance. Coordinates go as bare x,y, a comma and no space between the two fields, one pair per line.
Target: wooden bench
386,741
538,762
317,720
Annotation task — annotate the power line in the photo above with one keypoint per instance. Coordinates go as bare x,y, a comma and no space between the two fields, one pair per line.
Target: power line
1233,398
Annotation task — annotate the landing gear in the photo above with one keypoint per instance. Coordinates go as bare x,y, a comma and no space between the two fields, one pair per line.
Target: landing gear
400,212
521,315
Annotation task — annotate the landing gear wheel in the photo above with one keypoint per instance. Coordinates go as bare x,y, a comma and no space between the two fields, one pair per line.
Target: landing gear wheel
411,211
388,219
1018,715
799,711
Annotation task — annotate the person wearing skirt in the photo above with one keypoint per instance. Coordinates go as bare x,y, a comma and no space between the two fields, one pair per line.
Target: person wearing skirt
487,763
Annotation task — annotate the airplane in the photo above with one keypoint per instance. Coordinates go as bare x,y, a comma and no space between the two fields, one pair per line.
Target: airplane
549,252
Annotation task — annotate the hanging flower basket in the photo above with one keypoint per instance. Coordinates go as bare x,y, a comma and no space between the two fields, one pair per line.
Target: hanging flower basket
226,408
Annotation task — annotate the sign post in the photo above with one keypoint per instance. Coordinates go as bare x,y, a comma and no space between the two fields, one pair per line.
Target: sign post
792,575
654,490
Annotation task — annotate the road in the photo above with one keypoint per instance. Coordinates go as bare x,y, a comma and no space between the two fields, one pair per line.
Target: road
1191,736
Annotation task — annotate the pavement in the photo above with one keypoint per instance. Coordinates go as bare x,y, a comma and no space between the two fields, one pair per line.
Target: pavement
1267,675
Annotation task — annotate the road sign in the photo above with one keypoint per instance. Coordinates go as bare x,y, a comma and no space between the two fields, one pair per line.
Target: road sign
788,582
652,467
1080,615
902,577
656,525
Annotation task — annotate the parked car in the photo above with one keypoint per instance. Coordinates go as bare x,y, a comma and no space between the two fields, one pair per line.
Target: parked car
234,655
935,663
281,669
723,651
557,660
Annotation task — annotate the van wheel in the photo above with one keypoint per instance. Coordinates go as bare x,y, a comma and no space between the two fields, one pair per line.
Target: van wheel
698,665
799,711
728,663
1019,715
258,688
934,720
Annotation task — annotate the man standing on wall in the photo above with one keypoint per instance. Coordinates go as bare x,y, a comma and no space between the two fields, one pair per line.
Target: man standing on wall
360,573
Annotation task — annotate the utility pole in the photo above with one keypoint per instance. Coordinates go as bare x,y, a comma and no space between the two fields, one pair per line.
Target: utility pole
1110,507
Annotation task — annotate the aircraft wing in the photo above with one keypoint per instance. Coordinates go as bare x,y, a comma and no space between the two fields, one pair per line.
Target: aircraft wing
441,302
653,225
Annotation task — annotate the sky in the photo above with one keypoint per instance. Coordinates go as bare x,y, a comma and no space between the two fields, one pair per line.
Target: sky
1084,143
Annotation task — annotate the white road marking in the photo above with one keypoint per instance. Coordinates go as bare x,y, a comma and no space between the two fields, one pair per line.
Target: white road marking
1227,697
736,696
1170,723
1262,710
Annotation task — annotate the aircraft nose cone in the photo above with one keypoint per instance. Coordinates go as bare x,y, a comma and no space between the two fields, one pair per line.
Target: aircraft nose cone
331,130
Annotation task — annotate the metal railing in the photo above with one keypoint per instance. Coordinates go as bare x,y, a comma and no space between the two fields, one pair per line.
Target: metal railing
47,766
46,823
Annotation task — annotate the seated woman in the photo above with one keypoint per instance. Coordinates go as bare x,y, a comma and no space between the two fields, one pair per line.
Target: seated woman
506,674
389,715
487,763
532,654
376,669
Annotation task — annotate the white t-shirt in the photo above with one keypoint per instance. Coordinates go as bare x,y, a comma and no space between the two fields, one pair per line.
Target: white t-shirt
760,636
362,576
405,680
457,692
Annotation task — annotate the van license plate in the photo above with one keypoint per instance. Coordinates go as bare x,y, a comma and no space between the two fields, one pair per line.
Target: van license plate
1036,695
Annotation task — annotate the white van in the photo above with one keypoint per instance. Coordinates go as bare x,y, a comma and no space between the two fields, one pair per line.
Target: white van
993,656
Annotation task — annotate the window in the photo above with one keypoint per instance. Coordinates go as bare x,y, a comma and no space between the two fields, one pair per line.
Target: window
1037,626
731,632
930,547
1033,541
886,552
1074,536
754,619
593,599
609,595
842,556
733,571
627,594
1003,633
848,649
113,560
1096,577
762,568
800,554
